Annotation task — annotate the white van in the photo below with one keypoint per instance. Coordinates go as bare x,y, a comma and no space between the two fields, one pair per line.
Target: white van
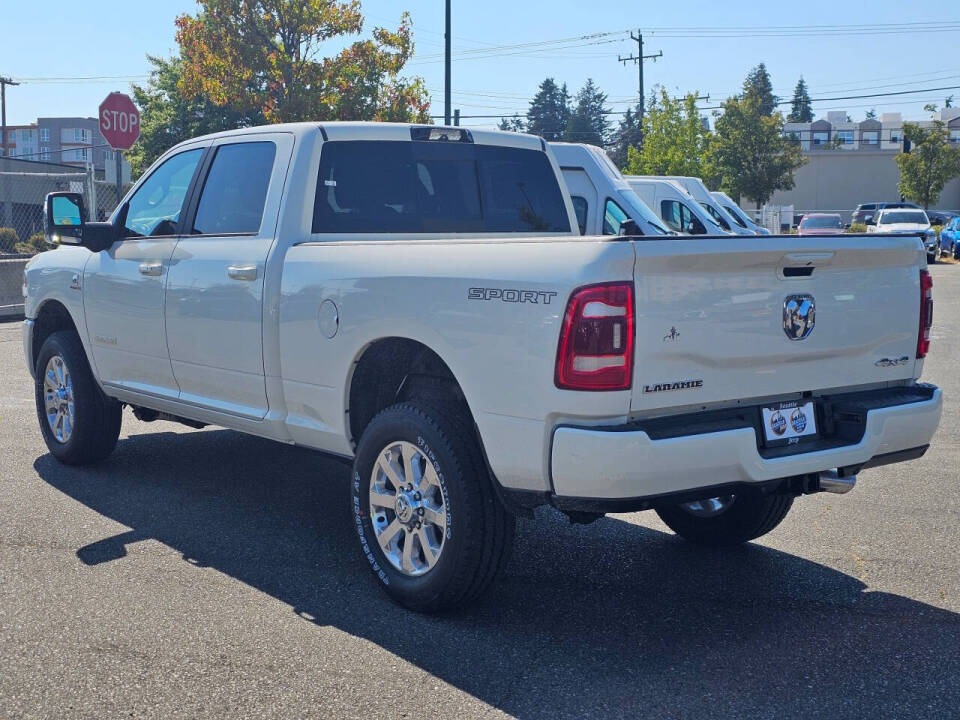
676,207
701,194
737,213
601,197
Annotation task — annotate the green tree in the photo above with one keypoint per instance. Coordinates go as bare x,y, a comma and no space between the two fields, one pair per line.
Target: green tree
513,123
588,122
800,109
266,57
168,117
749,153
757,85
929,165
628,135
549,111
871,114
675,140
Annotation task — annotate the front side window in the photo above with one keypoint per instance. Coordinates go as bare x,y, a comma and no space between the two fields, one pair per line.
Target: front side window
736,216
613,217
717,217
433,186
679,217
235,190
580,209
155,207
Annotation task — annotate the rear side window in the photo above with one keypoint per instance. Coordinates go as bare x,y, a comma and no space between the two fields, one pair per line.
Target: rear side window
430,186
235,190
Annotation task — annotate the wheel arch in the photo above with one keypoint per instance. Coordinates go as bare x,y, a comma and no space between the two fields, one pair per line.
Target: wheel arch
392,369
52,316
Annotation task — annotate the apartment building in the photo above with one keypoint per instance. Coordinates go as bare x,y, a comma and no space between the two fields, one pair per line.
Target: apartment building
22,140
838,132
74,141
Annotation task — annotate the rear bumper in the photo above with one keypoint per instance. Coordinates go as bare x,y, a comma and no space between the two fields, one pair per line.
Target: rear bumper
625,465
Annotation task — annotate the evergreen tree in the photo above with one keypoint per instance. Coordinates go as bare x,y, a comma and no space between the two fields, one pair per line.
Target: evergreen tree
514,123
872,114
549,111
757,85
800,109
628,135
588,122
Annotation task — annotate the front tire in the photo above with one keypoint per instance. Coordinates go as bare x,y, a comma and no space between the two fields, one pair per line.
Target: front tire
79,424
728,520
429,523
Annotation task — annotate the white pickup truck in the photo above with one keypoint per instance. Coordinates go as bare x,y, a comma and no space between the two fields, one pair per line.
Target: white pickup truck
418,299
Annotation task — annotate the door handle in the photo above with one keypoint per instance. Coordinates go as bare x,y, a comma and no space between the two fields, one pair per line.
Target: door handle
151,268
242,272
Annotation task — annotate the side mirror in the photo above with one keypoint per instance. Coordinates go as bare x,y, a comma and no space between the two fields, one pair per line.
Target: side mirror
629,227
64,223
63,219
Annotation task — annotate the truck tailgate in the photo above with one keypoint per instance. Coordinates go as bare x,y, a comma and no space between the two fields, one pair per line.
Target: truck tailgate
711,316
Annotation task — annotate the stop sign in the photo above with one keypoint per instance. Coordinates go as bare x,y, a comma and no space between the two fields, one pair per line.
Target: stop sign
119,121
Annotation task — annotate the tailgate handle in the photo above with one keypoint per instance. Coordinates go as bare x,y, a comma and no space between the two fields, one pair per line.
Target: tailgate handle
812,259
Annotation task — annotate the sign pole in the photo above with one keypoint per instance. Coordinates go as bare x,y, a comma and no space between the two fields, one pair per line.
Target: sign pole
119,177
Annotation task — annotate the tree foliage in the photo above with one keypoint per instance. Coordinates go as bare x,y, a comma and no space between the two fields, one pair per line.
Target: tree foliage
265,58
588,121
628,135
168,117
801,110
749,153
675,139
929,165
757,85
513,123
549,111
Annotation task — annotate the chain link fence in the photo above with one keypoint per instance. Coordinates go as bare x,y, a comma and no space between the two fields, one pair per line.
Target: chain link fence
22,193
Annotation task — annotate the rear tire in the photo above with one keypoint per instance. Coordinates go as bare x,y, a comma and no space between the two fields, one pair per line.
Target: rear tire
463,536
745,518
79,424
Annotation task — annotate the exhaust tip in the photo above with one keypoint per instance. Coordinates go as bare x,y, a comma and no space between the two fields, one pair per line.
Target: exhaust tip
832,482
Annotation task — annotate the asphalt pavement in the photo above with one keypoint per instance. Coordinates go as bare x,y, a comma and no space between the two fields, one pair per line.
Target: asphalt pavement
211,574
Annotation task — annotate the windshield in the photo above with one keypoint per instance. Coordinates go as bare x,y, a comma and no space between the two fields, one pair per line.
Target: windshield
715,215
916,217
829,221
736,216
639,209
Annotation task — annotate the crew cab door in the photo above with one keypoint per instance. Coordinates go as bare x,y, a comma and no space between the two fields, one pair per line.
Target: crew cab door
123,286
214,302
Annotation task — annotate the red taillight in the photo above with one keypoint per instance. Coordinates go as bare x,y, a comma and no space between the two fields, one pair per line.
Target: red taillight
926,314
596,340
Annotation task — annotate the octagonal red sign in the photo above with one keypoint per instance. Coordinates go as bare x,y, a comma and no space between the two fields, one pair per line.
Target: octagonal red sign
119,121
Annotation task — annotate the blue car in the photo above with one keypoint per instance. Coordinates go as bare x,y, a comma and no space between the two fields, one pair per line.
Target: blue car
950,238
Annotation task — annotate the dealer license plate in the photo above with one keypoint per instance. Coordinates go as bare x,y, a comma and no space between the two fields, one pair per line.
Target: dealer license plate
789,422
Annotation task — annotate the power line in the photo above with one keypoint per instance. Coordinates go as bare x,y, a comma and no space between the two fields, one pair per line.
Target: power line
858,97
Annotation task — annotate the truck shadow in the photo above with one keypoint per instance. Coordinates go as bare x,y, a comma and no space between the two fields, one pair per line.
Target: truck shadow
609,619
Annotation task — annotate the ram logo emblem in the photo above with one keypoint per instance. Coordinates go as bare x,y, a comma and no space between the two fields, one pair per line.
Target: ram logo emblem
799,316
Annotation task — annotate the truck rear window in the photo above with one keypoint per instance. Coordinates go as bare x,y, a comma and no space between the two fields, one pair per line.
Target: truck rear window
373,186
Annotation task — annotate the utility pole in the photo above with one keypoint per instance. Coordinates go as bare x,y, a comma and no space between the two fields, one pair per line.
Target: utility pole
446,52
4,81
638,59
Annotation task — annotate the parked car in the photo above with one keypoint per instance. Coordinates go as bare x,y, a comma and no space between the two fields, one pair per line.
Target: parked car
820,224
738,214
678,210
950,237
601,198
418,299
866,212
909,220
940,217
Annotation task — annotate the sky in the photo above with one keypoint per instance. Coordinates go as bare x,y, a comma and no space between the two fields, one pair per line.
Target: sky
707,48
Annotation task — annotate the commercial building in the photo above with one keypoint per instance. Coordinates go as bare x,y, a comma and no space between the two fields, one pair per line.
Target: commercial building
849,163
